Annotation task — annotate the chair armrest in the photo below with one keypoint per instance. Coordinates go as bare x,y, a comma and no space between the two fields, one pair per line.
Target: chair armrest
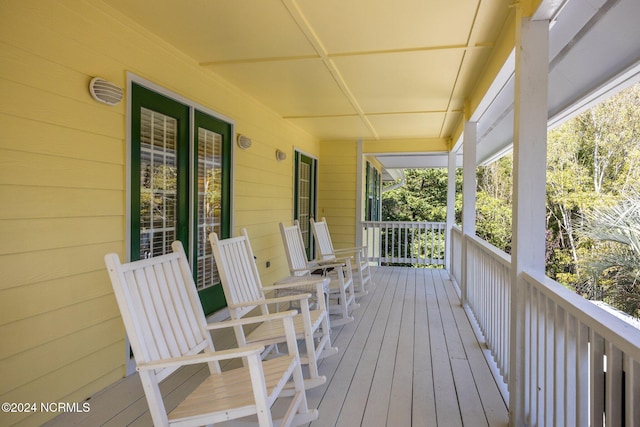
349,250
194,359
294,281
266,301
297,270
341,260
249,320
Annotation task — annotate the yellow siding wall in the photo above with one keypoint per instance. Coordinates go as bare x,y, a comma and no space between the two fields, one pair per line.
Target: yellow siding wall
337,190
62,186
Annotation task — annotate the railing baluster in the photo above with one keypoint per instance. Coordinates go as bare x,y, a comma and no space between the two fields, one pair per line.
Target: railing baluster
417,243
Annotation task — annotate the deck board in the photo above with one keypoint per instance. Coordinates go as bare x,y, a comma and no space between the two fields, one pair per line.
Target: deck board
410,358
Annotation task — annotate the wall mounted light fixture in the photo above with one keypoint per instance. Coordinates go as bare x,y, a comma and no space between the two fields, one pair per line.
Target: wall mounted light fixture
243,141
280,155
105,91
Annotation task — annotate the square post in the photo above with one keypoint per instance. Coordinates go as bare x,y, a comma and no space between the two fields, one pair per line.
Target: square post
529,192
469,162
451,205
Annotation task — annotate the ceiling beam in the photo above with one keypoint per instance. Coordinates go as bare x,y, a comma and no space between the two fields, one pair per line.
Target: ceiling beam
317,45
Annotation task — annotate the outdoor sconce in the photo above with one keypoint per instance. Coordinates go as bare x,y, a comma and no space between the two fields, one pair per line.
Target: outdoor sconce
105,92
243,141
280,155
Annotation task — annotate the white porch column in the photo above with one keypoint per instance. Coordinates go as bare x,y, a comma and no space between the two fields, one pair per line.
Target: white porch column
451,211
359,191
469,144
529,190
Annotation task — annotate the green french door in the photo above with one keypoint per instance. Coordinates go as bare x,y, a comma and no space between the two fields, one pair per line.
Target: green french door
306,171
180,185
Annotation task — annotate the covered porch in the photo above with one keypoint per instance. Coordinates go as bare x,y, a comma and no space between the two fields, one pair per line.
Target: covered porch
410,358
293,76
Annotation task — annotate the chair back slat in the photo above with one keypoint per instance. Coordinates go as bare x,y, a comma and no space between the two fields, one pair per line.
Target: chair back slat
323,239
238,271
160,308
294,248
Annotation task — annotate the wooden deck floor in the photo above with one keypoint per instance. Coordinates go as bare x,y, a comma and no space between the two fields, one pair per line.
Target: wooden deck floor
410,358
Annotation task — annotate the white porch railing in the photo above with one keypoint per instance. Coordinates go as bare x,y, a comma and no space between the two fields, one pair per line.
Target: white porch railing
405,242
580,364
489,297
455,248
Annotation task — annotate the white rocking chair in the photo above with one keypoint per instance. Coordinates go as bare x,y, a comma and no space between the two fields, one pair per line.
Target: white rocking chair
341,276
244,292
167,329
327,253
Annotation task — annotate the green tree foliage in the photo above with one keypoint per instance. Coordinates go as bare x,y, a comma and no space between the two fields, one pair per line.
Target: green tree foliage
493,203
612,266
593,165
423,197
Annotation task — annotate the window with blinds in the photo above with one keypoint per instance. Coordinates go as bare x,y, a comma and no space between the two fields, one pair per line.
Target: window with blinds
305,201
209,204
158,183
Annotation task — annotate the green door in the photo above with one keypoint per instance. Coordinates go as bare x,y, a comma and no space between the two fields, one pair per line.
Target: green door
180,188
305,197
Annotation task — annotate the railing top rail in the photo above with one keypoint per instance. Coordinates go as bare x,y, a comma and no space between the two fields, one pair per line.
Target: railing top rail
623,335
501,256
403,223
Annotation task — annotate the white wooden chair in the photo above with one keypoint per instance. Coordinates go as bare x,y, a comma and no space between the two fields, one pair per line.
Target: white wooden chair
244,292
167,329
341,285
326,252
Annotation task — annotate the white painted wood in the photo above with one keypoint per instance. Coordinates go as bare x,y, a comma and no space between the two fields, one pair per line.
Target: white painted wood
469,144
167,329
451,202
405,242
245,293
529,188
326,252
341,293
345,398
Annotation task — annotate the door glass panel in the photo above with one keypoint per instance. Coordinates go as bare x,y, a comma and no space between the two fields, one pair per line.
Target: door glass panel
158,182
209,204
304,201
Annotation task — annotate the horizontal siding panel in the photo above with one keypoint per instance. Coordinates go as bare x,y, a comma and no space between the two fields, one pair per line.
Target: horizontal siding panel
21,134
262,189
249,218
261,203
339,183
19,168
30,365
245,174
28,69
42,202
339,213
54,325
35,267
262,155
18,100
63,382
343,197
41,234
331,168
52,295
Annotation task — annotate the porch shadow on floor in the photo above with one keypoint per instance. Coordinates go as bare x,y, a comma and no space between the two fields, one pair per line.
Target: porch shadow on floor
410,358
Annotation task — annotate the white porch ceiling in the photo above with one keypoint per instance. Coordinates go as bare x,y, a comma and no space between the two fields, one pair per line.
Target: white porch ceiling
370,69
395,69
